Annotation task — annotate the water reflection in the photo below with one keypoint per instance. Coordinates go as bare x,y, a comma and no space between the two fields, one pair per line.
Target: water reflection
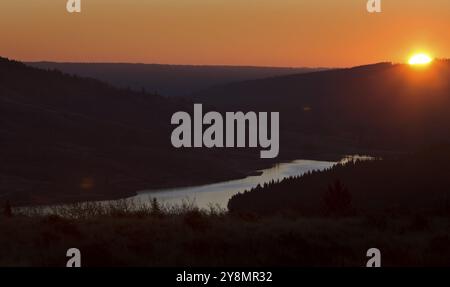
218,194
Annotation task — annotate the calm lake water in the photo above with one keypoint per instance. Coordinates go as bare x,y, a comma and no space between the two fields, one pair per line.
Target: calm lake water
219,193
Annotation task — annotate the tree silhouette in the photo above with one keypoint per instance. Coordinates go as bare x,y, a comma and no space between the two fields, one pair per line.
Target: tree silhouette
156,208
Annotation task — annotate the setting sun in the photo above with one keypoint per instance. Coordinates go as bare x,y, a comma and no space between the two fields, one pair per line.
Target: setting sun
420,59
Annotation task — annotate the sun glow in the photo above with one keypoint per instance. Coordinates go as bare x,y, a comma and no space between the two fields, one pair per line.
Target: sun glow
420,59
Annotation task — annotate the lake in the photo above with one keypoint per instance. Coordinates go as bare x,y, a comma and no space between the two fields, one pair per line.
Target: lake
219,193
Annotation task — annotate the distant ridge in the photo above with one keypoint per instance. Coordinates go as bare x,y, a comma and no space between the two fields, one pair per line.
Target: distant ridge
168,80
65,138
381,105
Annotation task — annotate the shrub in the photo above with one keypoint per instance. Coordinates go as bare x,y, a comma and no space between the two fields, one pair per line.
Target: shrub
338,200
196,220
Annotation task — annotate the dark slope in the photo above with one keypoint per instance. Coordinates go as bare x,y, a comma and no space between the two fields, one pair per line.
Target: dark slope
376,106
66,138
411,184
167,80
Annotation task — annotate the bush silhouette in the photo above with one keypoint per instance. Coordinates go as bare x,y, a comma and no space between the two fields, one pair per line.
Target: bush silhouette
338,200
197,220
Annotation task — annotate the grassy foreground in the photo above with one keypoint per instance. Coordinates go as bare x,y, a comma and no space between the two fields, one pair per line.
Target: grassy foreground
121,234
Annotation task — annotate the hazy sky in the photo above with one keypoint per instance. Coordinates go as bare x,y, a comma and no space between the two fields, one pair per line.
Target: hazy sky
231,32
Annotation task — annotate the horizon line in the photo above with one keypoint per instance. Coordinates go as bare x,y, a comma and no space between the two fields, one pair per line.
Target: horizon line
209,65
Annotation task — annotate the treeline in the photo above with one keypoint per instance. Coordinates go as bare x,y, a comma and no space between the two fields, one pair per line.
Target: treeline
410,184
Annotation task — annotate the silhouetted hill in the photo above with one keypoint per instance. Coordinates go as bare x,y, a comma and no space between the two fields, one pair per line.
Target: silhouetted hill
167,80
68,138
410,184
65,138
376,106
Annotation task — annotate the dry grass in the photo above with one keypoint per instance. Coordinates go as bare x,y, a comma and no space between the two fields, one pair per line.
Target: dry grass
125,234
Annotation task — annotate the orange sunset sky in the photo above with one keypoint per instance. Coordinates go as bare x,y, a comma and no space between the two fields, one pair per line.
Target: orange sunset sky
330,33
